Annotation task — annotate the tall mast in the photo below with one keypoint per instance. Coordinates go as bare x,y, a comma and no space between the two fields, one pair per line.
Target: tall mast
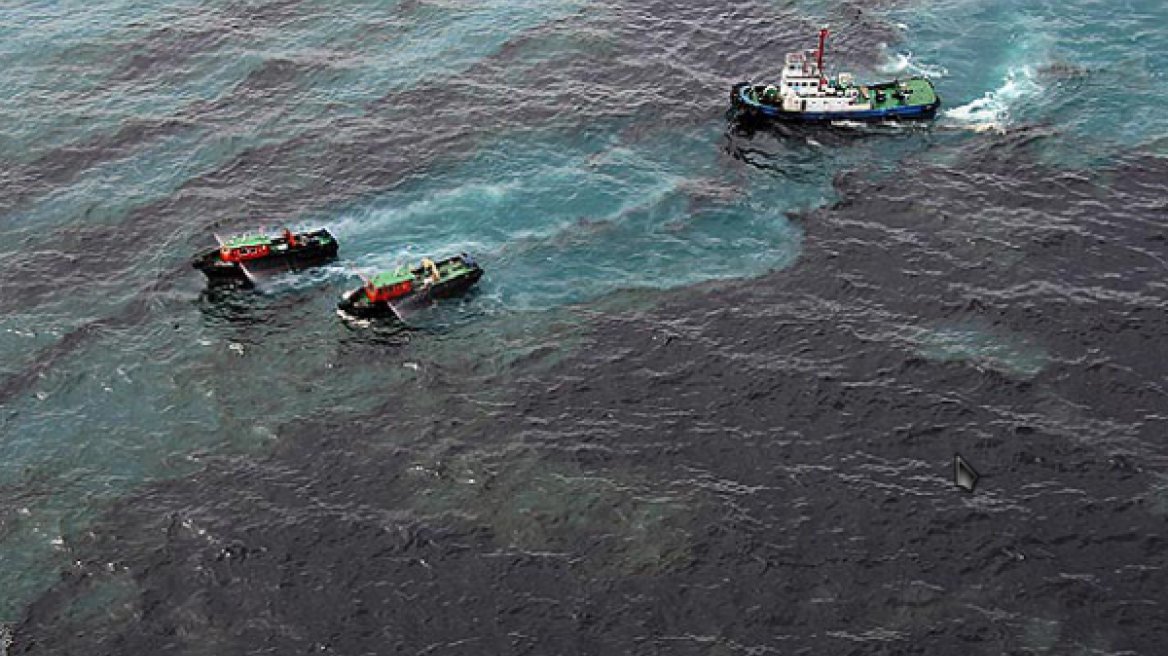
819,56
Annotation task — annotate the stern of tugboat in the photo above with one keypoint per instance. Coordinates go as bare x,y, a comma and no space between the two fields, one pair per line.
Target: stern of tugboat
736,94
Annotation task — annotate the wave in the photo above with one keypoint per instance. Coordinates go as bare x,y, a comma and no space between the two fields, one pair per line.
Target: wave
992,112
359,224
905,62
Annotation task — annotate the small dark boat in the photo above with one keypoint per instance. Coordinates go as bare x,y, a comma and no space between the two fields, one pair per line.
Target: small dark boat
388,294
239,258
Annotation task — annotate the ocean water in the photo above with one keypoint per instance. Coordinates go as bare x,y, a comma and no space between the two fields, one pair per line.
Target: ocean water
704,401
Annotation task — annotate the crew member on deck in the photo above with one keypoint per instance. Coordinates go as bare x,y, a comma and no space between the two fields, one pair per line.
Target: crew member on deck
428,265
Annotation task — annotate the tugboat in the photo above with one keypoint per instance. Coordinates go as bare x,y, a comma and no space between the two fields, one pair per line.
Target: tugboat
805,93
241,256
388,294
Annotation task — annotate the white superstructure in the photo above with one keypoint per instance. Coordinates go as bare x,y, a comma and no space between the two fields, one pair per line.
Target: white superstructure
805,93
804,88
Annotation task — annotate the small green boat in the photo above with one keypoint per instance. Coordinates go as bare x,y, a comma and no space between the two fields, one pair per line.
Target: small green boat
392,293
238,257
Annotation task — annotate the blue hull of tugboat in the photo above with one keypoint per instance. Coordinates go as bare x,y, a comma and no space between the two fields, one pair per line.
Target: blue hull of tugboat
750,108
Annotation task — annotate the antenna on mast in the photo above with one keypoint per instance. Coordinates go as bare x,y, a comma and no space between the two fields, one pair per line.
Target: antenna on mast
819,55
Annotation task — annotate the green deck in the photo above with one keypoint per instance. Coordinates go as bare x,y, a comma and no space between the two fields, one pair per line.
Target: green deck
452,268
922,94
389,278
921,88
240,241
446,270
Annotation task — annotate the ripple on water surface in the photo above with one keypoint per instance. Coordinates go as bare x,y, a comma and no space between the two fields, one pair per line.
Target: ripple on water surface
561,217
674,467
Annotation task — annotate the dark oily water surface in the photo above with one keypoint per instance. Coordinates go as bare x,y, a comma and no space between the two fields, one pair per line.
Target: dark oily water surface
627,441
753,467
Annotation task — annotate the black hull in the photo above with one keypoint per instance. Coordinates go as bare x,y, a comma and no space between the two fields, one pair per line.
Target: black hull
354,303
315,248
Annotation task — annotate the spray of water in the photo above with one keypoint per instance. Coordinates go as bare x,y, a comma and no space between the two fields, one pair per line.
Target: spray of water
993,111
906,63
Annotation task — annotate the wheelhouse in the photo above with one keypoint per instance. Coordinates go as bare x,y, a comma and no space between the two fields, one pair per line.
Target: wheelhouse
247,247
388,286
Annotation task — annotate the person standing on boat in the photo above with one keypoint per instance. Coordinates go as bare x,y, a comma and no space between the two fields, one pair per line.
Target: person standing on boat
434,276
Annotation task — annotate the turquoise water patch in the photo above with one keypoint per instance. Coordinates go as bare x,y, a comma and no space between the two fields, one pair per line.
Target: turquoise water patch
104,194
354,55
559,217
1008,353
142,403
58,58
378,46
1093,71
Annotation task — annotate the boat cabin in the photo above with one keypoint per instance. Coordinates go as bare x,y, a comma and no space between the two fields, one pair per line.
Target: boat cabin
802,73
805,88
245,247
388,286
